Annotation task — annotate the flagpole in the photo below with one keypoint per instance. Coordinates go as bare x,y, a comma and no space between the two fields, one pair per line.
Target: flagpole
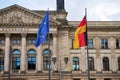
49,73
87,47
10,50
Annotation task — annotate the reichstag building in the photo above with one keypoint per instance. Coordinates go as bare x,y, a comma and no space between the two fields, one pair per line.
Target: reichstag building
21,60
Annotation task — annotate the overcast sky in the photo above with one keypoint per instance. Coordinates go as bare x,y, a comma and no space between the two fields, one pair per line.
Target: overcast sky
97,10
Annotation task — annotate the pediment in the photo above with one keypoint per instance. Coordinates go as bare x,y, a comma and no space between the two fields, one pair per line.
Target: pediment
17,15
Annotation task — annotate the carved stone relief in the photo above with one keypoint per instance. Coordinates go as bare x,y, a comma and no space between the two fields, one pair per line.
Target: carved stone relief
18,17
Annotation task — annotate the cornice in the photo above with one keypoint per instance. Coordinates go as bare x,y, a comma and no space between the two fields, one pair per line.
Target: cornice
65,27
104,28
98,25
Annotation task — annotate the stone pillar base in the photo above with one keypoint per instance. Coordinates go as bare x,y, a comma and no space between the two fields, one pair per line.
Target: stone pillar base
38,71
55,71
5,72
22,72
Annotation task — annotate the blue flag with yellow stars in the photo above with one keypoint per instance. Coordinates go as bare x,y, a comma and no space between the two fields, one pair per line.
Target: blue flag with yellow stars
43,30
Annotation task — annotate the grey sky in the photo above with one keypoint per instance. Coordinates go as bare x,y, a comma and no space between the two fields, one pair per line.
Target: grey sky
97,10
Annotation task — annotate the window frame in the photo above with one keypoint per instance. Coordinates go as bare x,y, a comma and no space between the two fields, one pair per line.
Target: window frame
90,43
2,59
91,63
117,43
16,41
76,65
104,43
46,58
31,59
15,55
119,63
106,66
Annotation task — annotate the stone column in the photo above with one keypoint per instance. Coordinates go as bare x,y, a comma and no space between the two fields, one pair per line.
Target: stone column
84,66
54,45
98,55
7,51
113,60
23,54
39,59
55,49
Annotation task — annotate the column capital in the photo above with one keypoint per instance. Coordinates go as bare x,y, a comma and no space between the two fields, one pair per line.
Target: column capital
7,34
23,34
54,34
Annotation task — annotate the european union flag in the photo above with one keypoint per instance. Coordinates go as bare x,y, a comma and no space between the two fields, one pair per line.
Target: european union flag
42,31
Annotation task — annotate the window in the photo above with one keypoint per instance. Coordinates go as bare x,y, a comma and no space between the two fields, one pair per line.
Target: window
75,63
91,63
1,63
2,41
90,43
92,79
16,59
104,43
31,59
117,43
119,63
16,41
31,62
16,63
76,79
107,79
31,51
105,63
46,59
1,60
16,52
31,41
72,43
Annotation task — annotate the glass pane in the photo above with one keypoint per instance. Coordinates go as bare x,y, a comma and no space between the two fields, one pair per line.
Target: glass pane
31,63
90,43
75,59
31,52
105,63
75,63
29,59
16,63
16,52
33,59
46,51
106,43
2,41
102,43
1,64
118,63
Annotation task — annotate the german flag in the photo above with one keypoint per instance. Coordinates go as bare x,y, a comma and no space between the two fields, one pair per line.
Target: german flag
80,37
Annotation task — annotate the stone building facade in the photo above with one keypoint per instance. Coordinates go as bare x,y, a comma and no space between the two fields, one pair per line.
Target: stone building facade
18,30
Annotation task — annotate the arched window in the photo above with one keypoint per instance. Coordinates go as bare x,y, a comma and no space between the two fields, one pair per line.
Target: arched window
16,51
1,60
105,63
31,51
31,59
46,59
16,59
75,63
91,63
119,63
